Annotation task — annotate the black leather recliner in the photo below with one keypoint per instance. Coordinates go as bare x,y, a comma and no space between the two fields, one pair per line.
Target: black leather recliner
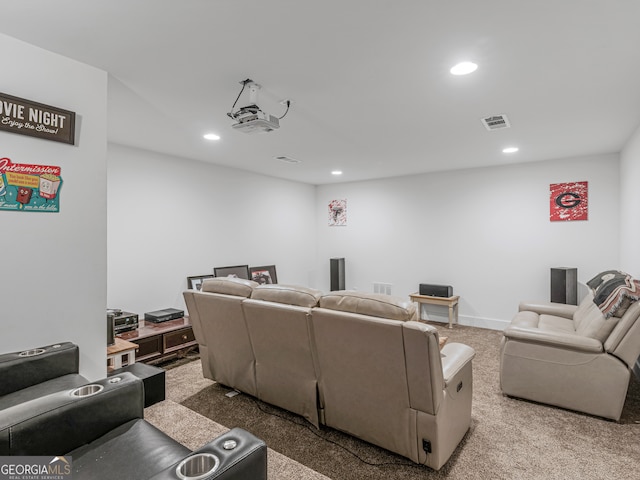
100,426
40,371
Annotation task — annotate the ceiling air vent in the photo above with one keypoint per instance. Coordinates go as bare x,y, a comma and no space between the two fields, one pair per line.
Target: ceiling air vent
495,122
284,159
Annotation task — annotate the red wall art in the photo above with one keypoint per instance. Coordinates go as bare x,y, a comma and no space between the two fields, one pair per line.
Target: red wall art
569,201
337,213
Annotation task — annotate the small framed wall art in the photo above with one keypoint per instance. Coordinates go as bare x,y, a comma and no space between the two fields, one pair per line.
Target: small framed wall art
568,201
338,213
264,275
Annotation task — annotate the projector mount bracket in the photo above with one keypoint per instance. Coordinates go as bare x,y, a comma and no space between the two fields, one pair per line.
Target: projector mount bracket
252,109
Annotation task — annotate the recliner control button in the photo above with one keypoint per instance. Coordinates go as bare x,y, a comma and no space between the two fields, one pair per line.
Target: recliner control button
229,444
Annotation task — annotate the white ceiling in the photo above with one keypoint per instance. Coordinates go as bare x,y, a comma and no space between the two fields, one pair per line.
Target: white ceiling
369,80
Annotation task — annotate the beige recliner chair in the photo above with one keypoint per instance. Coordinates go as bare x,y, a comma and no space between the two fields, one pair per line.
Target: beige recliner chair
384,379
221,331
571,356
279,323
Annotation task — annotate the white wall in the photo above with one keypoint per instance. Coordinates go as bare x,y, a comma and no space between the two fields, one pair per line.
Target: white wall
630,205
485,231
170,218
53,282
629,208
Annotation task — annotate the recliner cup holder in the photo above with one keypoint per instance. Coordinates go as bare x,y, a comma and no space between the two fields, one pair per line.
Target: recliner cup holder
198,466
32,353
87,390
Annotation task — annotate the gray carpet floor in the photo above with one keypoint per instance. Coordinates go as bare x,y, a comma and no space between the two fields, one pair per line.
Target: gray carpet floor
508,439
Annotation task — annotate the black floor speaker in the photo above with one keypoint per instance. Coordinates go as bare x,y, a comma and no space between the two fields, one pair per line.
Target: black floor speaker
564,285
337,274
111,336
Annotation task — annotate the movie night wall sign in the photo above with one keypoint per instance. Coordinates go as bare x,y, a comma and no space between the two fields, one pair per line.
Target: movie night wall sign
25,117
29,188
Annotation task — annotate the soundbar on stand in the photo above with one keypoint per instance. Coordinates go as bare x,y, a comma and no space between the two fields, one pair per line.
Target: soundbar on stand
436,290
441,295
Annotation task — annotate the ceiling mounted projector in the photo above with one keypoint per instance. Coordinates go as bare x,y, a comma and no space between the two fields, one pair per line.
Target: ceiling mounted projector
250,118
256,122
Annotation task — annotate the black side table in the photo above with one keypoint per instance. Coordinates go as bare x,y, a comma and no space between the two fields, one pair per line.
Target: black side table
152,377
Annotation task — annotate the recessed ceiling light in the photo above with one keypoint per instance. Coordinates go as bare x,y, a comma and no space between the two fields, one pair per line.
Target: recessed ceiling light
463,68
510,150
336,172
211,136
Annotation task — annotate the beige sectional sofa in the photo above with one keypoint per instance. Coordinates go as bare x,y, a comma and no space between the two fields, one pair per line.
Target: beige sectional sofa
383,378
221,332
356,362
278,319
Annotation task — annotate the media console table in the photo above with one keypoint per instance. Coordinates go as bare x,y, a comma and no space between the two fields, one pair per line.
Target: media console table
161,341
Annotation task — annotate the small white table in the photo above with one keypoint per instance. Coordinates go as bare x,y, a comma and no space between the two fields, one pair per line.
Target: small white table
450,302
121,354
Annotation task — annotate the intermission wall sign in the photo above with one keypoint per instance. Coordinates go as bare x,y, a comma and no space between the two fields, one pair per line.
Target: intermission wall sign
26,187
25,117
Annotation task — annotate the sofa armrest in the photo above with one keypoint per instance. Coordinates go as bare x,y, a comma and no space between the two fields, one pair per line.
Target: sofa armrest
455,356
240,454
548,308
20,370
62,421
554,339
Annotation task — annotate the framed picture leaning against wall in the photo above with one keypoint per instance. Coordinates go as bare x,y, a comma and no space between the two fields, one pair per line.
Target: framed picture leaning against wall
238,271
195,282
264,275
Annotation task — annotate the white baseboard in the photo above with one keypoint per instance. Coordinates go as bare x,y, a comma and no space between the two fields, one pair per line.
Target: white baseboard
488,323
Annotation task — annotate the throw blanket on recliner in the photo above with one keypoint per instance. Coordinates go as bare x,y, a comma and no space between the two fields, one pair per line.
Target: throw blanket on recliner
614,291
